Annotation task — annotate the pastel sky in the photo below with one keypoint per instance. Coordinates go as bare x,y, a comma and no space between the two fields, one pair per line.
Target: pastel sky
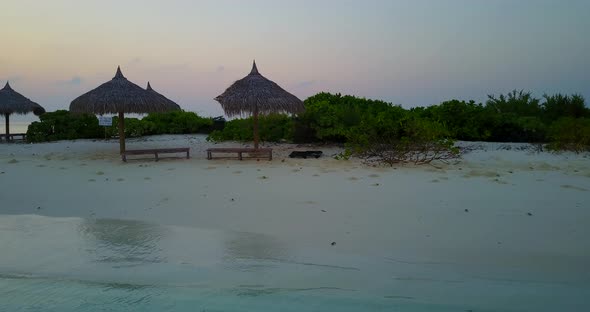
413,52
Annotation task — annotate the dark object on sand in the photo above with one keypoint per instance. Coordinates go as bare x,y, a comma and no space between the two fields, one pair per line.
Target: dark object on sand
333,243
529,214
466,210
305,154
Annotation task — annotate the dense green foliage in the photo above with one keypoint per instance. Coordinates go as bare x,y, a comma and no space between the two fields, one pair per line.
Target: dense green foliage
570,133
363,124
272,128
375,130
370,129
403,137
177,122
514,117
558,106
63,125
333,118
463,120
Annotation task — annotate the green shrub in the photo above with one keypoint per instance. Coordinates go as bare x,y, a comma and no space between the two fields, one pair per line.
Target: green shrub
39,131
331,117
464,120
571,134
532,129
409,139
62,125
519,103
234,130
334,118
271,128
133,127
176,122
558,106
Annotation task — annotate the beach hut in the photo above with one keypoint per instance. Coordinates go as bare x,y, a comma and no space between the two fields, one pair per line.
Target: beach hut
12,102
120,96
255,94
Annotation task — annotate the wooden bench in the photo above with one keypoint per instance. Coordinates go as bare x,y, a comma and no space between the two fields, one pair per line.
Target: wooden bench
253,152
156,152
11,136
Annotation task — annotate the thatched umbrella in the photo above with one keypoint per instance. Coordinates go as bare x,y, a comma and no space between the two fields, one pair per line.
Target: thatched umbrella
120,96
256,95
172,104
12,102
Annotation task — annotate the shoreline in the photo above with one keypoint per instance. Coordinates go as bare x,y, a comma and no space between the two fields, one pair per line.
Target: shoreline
501,220
16,127
505,185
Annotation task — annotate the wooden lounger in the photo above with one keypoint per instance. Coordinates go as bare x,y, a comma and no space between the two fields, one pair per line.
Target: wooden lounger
253,152
11,136
156,152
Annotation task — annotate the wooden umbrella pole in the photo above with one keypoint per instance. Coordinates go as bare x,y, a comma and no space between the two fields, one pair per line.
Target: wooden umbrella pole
121,132
7,126
256,136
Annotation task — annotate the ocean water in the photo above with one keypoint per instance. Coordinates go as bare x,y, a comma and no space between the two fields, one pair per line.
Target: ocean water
74,264
15,126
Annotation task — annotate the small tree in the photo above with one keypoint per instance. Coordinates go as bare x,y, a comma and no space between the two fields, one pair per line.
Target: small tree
409,140
571,134
558,105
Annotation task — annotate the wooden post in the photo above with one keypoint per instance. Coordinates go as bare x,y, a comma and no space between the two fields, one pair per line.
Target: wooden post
121,132
7,127
256,138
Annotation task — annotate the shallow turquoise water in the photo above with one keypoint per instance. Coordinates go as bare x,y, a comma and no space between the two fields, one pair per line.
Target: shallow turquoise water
73,264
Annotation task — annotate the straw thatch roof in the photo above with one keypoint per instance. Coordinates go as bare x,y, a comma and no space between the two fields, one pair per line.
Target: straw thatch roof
12,102
119,96
255,92
172,104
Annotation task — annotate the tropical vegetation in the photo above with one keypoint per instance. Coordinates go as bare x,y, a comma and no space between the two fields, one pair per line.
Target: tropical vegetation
368,128
64,125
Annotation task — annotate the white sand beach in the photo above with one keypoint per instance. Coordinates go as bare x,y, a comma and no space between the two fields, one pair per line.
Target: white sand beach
504,213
